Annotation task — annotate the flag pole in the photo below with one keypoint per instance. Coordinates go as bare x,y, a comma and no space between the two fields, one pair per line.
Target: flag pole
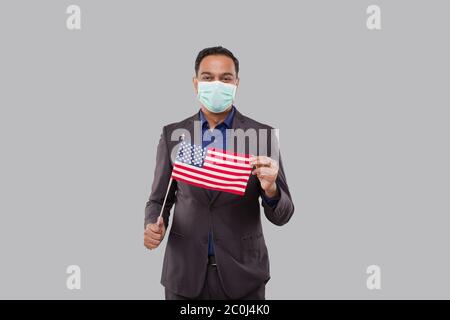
168,187
165,198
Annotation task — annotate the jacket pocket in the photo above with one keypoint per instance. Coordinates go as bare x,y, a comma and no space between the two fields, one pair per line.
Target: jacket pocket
251,246
176,234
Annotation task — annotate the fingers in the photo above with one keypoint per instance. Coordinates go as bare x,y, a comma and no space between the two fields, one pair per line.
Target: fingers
261,161
153,235
155,227
152,239
262,172
151,244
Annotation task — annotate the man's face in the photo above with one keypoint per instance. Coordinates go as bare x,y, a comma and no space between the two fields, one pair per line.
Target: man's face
216,68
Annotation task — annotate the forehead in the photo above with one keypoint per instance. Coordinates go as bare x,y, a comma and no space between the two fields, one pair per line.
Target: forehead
217,64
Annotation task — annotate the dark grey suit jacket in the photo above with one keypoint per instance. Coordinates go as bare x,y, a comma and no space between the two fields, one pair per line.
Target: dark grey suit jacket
240,249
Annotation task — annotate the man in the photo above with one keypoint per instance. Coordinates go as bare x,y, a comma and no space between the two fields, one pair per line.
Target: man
216,248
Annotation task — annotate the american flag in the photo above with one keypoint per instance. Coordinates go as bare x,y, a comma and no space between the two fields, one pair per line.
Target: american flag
212,168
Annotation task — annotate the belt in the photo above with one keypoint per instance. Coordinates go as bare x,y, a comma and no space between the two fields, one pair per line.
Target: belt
212,260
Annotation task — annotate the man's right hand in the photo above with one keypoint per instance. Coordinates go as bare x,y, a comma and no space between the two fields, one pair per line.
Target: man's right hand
154,234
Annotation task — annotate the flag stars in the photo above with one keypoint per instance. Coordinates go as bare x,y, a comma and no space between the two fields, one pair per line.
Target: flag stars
191,154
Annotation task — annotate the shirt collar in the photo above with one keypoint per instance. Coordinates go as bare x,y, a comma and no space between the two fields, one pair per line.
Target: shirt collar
227,122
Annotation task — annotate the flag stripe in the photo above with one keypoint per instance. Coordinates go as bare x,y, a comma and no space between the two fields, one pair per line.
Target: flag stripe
238,165
212,173
209,185
213,153
227,166
200,176
221,168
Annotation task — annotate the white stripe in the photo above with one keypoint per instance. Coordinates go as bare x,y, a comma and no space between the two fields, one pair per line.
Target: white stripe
209,178
210,165
231,163
208,184
224,155
232,176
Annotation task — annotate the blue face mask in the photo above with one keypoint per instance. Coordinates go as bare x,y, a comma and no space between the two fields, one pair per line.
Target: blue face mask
216,96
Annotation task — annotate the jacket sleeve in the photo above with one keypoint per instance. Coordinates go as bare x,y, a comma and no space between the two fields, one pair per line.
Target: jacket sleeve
283,211
161,179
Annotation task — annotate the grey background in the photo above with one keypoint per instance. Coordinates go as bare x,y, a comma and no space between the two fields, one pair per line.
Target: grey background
363,119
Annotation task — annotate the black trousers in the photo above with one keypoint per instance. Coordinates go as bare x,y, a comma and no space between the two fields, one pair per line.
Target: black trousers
212,289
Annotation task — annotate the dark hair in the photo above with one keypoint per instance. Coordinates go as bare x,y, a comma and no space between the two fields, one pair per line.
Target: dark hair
219,50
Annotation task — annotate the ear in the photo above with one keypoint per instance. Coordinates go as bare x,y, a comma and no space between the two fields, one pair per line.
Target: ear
237,82
195,82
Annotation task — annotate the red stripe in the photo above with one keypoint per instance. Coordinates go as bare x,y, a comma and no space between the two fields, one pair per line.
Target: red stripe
191,168
212,188
231,153
209,181
227,165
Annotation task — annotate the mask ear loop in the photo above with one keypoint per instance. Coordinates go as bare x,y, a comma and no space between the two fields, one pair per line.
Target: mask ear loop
234,92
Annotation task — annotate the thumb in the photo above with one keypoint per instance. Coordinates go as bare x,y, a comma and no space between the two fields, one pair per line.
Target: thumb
160,222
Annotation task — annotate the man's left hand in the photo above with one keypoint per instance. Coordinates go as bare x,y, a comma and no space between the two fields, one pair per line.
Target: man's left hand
267,171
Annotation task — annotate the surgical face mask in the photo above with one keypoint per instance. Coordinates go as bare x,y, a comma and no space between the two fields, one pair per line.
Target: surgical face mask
216,96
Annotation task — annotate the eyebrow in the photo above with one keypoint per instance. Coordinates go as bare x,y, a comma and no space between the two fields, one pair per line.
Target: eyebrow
223,74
